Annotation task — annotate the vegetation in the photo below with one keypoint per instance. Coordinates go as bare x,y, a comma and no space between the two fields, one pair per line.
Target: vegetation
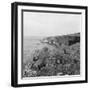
63,59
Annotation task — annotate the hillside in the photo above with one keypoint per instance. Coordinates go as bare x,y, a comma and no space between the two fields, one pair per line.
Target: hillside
60,55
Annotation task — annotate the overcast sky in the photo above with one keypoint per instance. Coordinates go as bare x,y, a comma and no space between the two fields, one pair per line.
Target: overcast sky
50,24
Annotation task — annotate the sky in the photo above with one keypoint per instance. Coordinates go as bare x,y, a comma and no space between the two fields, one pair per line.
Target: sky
50,24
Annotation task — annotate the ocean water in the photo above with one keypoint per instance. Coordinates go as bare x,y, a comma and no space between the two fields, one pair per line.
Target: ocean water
30,44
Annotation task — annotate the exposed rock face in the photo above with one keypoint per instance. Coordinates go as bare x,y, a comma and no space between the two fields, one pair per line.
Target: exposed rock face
63,59
63,40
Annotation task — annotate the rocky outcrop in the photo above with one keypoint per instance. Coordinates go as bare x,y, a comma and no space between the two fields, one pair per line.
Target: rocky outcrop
63,59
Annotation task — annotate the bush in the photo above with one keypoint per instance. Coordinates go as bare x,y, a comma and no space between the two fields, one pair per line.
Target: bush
64,60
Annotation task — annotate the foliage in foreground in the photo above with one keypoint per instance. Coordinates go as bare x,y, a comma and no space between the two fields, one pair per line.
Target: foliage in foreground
62,60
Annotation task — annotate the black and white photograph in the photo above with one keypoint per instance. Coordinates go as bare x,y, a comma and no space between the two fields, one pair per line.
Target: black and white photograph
50,44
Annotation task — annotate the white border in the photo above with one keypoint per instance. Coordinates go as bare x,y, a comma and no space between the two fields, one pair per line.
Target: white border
52,79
